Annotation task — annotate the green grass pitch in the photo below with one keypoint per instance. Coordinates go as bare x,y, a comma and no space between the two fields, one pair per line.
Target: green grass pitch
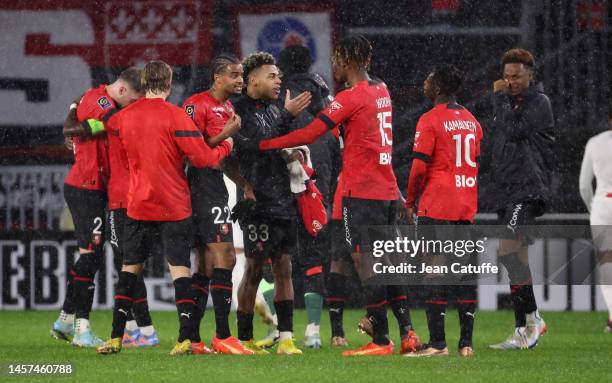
574,350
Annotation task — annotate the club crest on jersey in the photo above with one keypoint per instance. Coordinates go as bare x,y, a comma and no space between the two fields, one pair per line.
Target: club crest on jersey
334,106
190,110
104,103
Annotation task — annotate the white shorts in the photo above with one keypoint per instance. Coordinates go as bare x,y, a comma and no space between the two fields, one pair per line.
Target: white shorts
601,222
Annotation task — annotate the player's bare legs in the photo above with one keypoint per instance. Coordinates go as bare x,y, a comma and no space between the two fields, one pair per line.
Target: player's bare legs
220,255
247,292
281,269
605,282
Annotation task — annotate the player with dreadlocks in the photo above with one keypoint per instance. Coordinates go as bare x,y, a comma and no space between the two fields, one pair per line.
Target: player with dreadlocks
213,114
369,188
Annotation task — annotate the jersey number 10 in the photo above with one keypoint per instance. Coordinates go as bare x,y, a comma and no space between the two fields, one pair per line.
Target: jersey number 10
465,153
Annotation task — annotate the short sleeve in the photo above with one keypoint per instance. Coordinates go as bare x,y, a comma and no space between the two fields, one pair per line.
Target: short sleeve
94,107
340,109
197,113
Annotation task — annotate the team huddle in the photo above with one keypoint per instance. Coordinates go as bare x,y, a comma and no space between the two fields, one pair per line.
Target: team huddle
148,173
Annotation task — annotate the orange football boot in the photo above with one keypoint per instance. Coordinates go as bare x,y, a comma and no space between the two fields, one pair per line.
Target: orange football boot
371,349
230,345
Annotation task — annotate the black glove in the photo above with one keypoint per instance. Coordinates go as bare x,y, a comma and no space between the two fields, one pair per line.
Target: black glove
242,210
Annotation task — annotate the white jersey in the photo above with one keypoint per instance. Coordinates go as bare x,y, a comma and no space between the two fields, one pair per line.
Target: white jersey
597,163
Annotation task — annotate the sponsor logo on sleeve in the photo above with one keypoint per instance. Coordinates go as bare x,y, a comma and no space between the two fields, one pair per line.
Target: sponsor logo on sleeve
190,110
104,103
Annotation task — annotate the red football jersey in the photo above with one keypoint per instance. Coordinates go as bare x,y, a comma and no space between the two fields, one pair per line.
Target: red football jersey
365,111
337,203
90,169
448,139
208,113
156,137
118,182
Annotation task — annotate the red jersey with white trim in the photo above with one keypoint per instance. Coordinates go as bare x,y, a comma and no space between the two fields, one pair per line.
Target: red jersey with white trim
157,137
91,168
209,114
365,111
448,139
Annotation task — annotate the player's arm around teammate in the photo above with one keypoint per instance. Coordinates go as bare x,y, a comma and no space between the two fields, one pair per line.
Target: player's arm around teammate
85,191
213,114
369,185
270,227
159,205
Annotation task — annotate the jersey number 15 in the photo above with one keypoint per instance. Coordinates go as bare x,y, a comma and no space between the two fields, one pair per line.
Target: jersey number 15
383,125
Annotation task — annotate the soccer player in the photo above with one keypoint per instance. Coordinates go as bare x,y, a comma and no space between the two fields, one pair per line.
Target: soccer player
213,114
597,164
157,137
443,179
369,188
521,164
139,330
294,63
270,227
337,283
85,191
